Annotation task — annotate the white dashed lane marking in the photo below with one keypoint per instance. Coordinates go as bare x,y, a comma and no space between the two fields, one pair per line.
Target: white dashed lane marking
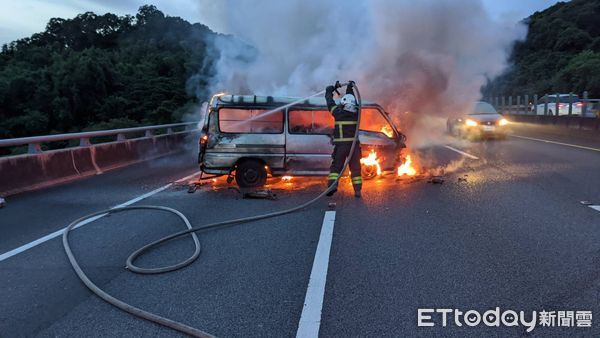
462,152
554,142
57,233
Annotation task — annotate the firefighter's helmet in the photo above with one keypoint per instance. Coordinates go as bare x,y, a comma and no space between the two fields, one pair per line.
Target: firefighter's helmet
349,102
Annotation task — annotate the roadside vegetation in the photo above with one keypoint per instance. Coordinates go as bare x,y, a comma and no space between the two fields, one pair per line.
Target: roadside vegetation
560,54
102,72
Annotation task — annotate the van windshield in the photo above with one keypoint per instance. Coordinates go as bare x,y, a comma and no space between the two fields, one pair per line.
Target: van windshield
372,120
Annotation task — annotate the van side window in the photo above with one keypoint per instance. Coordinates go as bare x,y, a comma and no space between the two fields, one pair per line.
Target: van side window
237,120
372,120
310,122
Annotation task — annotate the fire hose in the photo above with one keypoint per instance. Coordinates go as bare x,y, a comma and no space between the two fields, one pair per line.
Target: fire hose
183,328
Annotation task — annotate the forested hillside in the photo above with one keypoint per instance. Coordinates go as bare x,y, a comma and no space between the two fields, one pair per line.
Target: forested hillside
560,54
101,71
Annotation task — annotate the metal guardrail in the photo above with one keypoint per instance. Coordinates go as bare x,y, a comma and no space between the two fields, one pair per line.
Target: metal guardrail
529,105
34,143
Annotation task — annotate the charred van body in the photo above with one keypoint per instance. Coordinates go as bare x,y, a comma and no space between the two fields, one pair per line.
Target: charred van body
248,136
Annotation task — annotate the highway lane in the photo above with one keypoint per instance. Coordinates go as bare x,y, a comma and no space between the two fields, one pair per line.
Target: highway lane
39,287
512,235
31,215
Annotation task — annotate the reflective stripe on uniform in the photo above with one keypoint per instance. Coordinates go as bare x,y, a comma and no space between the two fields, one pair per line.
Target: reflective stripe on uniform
357,180
332,109
340,125
333,176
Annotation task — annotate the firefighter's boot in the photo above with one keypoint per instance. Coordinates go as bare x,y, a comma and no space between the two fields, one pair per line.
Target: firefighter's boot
357,185
332,180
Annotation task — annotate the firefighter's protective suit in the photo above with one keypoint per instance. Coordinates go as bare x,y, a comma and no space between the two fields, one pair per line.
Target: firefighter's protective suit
343,134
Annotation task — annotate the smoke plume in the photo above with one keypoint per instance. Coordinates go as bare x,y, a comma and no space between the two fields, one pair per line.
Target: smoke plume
418,59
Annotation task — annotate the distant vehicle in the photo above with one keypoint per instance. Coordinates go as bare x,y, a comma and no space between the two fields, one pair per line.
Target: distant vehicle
245,135
563,104
483,121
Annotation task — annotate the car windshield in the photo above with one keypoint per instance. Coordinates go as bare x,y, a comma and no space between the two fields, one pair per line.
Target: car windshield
561,99
483,108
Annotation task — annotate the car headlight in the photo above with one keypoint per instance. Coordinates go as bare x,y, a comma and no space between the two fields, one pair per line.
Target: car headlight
503,122
471,123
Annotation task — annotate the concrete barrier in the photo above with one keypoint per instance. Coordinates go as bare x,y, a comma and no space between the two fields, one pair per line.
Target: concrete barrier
34,171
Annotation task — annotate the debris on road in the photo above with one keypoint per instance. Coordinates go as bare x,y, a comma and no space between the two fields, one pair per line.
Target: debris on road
193,186
463,179
2,202
586,202
332,205
436,180
261,194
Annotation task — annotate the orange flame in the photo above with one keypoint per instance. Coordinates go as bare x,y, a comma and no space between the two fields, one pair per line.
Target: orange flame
406,168
286,178
387,130
372,160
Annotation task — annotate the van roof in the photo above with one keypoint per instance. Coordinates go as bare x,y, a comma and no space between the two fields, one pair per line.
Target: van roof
275,101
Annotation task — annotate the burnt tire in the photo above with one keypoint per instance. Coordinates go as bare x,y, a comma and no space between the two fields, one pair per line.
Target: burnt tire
368,172
250,174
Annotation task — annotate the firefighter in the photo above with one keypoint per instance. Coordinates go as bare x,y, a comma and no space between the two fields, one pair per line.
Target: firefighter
346,115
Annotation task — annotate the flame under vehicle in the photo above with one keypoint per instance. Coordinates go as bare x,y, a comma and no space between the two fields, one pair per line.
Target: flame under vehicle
245,135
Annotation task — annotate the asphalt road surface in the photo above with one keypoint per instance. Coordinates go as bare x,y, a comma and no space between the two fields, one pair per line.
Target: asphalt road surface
506,229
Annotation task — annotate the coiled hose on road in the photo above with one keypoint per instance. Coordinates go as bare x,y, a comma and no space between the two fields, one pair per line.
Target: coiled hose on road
190,230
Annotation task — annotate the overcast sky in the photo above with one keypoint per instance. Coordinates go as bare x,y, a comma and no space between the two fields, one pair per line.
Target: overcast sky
22,18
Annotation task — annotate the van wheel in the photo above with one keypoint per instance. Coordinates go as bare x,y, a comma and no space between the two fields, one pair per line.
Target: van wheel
250,174
368,172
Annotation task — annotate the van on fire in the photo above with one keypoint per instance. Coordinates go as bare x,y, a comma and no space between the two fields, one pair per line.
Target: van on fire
245,135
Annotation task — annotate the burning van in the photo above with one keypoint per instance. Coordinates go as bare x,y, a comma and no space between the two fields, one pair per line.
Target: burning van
251,137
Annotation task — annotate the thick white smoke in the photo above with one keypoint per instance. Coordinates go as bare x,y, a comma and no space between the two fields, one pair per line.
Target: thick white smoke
416,58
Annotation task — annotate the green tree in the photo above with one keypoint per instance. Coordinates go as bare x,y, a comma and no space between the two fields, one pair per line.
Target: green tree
559,54
101,71
581,73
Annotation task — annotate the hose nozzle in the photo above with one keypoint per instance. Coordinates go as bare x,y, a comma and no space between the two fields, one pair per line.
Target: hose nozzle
340,85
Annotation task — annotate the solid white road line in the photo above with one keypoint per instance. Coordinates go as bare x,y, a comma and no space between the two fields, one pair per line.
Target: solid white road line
462,153
57,233
595,207
554,142
310,320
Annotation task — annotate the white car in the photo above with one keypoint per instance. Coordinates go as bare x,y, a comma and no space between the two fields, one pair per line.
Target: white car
563,104
481,122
